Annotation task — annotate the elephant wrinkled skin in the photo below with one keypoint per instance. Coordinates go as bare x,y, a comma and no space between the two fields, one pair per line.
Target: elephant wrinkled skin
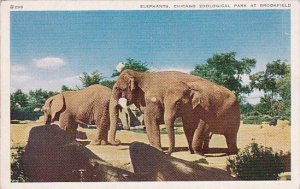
206,108
146,90
86,106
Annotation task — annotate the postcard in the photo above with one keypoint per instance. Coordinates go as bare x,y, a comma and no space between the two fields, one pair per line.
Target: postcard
197,94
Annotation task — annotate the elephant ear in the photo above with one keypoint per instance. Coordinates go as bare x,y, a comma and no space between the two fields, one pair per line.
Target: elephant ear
56,105
198,98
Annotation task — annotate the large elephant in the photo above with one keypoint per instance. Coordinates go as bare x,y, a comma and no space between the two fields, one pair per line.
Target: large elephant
146,91
86,106
211,109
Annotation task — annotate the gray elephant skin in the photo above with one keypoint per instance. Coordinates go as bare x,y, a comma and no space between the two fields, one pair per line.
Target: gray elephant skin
206,108
86,106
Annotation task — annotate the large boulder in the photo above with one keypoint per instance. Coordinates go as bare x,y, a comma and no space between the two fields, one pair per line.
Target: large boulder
52,156
155,165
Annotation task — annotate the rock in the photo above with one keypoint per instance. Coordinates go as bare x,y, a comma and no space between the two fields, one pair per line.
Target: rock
52,156
154,165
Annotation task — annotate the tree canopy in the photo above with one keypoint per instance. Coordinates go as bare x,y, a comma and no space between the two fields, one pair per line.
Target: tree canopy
89,79
132,64
276,85
224,69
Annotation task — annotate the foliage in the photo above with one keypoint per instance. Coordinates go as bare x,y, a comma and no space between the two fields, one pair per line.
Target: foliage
18,100
246,108
38,97
132,64
275,82
226,70
23,106
108,83
17,168
257,162
23,102
90,79
65,88
252,120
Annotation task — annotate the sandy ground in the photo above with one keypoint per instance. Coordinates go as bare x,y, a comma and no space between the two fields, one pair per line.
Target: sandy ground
276,137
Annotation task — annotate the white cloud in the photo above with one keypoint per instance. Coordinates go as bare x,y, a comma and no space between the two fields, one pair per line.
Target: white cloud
245,79
254,97
70,81
19,74
16,68
50,63
20,78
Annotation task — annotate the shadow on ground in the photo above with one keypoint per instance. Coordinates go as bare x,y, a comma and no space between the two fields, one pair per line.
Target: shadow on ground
52,156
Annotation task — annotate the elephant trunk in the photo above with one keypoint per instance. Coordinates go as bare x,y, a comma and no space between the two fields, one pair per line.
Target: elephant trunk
169,122
113,115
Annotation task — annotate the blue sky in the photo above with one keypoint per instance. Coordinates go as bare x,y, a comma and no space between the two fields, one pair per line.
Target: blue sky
51,49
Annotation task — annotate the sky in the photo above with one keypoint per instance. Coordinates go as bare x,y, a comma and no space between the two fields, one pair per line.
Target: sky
50,49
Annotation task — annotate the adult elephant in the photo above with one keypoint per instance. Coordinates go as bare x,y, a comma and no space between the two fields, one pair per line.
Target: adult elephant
211,109
146,90
86,106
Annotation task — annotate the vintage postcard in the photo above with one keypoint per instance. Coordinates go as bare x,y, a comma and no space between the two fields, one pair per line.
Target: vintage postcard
144,93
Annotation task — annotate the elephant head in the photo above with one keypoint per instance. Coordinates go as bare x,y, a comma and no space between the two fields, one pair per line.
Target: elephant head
125,87
180,99
52,107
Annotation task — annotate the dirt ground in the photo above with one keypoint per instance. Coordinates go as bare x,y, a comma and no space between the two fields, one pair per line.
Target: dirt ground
276,137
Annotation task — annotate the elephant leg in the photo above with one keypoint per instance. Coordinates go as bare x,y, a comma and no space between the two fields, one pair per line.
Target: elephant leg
151,116
189,127
200,142
102,129
231,143
207,137
67,123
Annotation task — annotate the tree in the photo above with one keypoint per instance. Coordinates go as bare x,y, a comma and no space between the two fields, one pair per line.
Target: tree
108,83
89,79
246,108
132,64
37,98
275,82
18,100
65,88
224,69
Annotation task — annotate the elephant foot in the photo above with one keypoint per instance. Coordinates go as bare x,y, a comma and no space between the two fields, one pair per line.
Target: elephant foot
115,142
168,152
98,142
200,153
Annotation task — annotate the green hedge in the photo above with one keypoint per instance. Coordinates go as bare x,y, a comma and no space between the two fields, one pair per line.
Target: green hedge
20,115
252,120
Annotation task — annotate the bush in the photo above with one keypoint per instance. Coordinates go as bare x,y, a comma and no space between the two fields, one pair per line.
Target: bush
252,120
17,170
266,118
22,115
257,162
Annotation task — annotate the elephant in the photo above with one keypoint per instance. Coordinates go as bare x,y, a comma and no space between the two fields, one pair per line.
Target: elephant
146,90
211,109
86,106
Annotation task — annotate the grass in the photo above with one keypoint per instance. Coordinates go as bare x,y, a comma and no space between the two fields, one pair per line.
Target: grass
17,168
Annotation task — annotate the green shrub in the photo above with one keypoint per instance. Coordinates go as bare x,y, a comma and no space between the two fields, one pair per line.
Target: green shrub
257,162
266,118
252,120
17,170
